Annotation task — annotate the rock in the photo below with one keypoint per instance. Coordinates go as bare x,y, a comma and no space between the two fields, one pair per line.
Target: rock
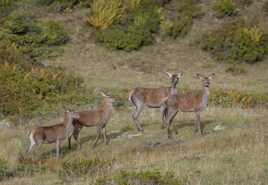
218,128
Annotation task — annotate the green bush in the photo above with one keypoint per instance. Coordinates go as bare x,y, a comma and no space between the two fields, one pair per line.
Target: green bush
179,21
54,34
32,38
82,166
236,42
27,92
153,177
141,23
3,168
236,98
225,8
9,53
6,6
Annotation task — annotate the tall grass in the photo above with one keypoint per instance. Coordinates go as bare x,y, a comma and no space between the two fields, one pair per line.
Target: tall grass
105,12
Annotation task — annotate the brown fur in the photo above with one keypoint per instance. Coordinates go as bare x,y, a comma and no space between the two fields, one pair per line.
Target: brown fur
97,117
150,97
189,102
53,134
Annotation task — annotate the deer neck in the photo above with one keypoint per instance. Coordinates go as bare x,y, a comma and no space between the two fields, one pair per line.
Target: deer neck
205,97
68,125
173,90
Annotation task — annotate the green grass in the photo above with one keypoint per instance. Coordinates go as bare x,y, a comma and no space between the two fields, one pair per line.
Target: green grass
237,154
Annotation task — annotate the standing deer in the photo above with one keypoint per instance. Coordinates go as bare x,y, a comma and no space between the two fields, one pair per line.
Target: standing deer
97,117
150,97
53,134
190,102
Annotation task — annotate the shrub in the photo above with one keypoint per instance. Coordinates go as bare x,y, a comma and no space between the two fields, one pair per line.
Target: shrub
141,178
54,34
6,6
9,53
82,166
225,8
105,12
32,38
236,42
3,168
179,24
236,98
25,92
141,24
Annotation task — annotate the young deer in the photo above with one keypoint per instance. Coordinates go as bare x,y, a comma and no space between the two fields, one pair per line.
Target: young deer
190,102
97,117
53,134
150,97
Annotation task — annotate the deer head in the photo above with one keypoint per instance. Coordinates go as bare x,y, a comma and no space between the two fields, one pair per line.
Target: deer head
175,78
205,79
109,98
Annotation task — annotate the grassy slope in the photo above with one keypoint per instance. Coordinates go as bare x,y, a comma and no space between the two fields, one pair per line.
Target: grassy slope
235,155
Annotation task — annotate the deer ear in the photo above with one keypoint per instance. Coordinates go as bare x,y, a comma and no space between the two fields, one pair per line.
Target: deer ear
180,74
104,95
169,74
198,76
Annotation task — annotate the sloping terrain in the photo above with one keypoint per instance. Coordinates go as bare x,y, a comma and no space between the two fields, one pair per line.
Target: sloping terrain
232,151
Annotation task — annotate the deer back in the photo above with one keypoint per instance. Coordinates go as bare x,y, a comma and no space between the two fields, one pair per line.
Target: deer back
49,134
151,97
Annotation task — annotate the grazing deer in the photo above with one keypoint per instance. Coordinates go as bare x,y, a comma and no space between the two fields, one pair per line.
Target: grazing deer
97,117
190,102
53,134
150,97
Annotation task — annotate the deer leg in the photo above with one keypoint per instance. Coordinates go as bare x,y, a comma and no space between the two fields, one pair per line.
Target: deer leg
98,137
57,148
164,114
138,109
169,120
69,142
77,138
104,136
198,123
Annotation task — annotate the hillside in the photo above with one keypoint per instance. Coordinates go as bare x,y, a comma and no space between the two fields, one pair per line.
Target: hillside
233,149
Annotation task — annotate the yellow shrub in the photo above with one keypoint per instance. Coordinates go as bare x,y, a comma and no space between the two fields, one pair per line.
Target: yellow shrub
254,33
105,12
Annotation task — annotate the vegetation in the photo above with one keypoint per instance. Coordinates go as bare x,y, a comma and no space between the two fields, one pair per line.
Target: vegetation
131,27
225,8
142,178
35,40
233,149
179,21
60,5
140,25
28,92
236,42
104,13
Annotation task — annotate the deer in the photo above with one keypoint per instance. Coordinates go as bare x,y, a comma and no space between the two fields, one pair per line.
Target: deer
189,102
142,97
54,133
97,117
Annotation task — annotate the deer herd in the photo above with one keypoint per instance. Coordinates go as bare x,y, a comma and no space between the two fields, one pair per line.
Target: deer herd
168,99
